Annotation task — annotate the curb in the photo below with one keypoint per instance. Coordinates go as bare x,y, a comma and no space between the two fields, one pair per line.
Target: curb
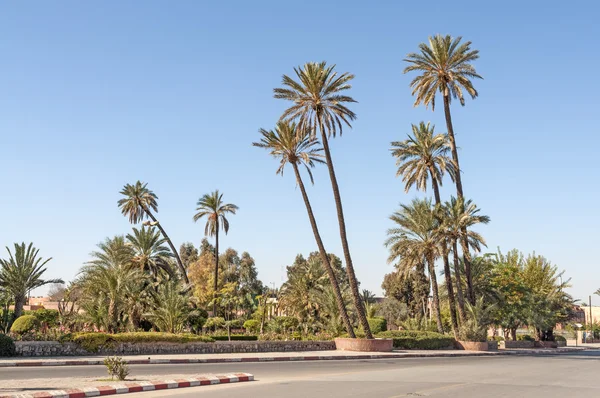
138,387
284,359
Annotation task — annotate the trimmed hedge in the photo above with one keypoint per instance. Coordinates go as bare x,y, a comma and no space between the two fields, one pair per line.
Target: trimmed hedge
418,340
44,316
377,324
93,342
7,346
525,337
24,324
235,337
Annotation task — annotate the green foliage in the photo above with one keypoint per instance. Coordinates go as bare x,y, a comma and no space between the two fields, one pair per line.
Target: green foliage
7,346
235,337
282,324
24,324
116,367
169,309
252,325
93,342
418,340
45,317
215,322
479,318
525,337
196,322
558,337
377,324
496,338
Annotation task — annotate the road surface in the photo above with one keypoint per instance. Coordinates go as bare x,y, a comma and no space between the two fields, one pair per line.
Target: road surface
565,375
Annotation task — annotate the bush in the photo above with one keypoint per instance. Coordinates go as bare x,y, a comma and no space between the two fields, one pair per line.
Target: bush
525,337
252,325
7,346
196,323
45,317
116,367
418,340
282,324
377,324
235,337
24,324
558,337
215,323
93,342
495,338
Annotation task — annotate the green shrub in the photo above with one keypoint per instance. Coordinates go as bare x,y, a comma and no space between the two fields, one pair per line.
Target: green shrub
92,342
377,324
282,324
418,340
235,337
116,367
7,346
24,324
495,338
558,337
525,337
215,323
45,317
252,325
196,322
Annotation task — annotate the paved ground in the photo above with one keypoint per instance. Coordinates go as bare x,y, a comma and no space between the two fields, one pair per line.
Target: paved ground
564,375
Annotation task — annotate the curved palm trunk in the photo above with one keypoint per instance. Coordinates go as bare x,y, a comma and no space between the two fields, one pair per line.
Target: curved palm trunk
459,192
324,257
358,303
216,284
175,253
459,289
435,303
447,271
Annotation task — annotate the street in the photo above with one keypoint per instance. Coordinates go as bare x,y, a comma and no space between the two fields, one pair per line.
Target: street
565,375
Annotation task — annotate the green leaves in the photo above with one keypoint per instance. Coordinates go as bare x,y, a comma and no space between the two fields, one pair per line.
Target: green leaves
138,201
212,207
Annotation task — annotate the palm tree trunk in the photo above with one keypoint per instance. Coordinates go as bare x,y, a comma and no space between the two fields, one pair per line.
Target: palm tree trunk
324,257
19,304
459,192
447,271
216,284
175,253
435,304
459,289
358,303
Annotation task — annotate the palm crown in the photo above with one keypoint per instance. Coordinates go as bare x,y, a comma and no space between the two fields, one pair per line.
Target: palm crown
318,98
212,206
291,146
150,254
137,202
445,67
421,155
459,217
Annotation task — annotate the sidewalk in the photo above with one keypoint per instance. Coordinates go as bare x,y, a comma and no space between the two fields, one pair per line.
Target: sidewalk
271,356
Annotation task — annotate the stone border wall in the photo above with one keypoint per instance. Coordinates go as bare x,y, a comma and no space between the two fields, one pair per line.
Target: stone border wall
54,348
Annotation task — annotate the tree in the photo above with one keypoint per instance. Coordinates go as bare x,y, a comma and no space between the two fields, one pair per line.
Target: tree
138,204
445,67
414,241
319,104
188,254
297,149
212,207
22,272
421,156
149,253
411,289
170,308
458,217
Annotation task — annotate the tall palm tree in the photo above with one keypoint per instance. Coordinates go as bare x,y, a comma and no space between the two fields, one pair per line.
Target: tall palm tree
297,149
422,156
445,67
212,207
413,242
22,272
319,104
138,204
458,216
149,253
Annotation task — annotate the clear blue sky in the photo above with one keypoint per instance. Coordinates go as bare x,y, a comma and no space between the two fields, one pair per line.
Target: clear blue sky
96,95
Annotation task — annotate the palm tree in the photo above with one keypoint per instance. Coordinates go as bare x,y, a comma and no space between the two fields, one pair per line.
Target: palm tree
137,205
446,67
414,242
212,207
597,292
149,253
170,308
297,149
319,103
422,156
22,272
458,216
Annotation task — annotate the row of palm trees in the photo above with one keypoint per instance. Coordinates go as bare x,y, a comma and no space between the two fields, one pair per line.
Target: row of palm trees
320,106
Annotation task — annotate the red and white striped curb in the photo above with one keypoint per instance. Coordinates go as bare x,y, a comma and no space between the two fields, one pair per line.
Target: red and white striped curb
449,353
125,388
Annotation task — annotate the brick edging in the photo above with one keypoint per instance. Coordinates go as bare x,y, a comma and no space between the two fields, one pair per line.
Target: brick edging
124,388
285,359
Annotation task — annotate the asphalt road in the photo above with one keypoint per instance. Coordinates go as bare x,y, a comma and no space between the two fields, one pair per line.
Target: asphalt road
565,375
